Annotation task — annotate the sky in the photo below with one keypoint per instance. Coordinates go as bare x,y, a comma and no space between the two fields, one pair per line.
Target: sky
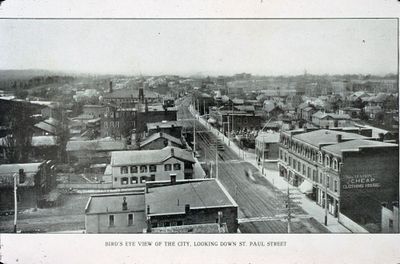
214,47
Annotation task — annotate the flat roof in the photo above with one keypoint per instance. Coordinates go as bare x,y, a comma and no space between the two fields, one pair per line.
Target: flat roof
163,124
324,136
171,199
112,203
356,145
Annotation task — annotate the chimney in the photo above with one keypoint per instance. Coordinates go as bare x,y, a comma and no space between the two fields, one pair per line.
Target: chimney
187,208
220,218
141,95
384,204
172,152
339,138
148,209
173,178
110,88
158,128
21,174
381,136
161,134
124,204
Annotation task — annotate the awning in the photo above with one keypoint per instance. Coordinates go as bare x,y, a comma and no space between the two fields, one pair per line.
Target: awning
306,187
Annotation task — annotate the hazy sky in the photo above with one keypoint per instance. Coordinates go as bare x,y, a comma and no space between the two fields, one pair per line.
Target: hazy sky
267,47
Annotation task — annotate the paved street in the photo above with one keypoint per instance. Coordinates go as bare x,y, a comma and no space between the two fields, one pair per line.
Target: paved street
257,198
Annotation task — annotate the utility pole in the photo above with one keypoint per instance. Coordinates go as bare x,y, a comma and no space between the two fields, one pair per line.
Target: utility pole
326,199
263,154
194,136
15,202
289,214
216,160
229,132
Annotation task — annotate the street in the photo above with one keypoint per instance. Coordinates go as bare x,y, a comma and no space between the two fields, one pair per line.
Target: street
261,205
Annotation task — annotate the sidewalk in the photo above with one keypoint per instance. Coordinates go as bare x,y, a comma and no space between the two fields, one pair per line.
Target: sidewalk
314,210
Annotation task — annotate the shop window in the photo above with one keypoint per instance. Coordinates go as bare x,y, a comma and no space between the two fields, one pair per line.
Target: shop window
134,169
130,219
177,166
124,170
143,168
153,168
167,167
124,180
111,220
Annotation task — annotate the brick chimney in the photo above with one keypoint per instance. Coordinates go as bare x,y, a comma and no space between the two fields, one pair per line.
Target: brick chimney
124,204
339,138
110,87
172,152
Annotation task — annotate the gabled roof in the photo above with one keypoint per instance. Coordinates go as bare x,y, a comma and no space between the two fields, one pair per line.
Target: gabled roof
138,157
158,135
46,127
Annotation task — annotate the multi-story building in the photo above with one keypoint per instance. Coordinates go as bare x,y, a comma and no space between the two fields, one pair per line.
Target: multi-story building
349,172
194,202
161,140
115,213
134,168
173,128
323,120
270,148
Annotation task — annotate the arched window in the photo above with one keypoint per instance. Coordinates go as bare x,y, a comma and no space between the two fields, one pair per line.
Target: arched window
335,164
327,161
320,160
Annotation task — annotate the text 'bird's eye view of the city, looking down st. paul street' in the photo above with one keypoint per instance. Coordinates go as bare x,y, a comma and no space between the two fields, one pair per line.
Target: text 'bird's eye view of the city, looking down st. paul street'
199,126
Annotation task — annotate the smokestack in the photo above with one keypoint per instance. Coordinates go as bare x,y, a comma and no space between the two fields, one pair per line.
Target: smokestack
339,138
187,208
173,178
124,204
381,136
110,88
141,95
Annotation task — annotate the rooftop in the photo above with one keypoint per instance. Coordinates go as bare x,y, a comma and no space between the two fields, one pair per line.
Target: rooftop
356,145
171,199
131,157
163,124
7,172
130,93
95,145
213,228
41,141
46,127
161,135
324,136
112,203
268,137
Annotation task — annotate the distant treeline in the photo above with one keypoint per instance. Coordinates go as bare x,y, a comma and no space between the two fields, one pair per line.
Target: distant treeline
13,85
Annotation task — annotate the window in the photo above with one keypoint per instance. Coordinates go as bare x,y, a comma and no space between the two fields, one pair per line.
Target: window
335,185
115,179
134,180
285,157
111,124
320,177
335,164
294,163
152,177
134,169
327,161
130,219
167,167
308,172
143,179
314,173
177,166
320,157
117,124
179,223
298,166
290,161
124,180
143,168
304,169
153,168
106,124
124,170
111,220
